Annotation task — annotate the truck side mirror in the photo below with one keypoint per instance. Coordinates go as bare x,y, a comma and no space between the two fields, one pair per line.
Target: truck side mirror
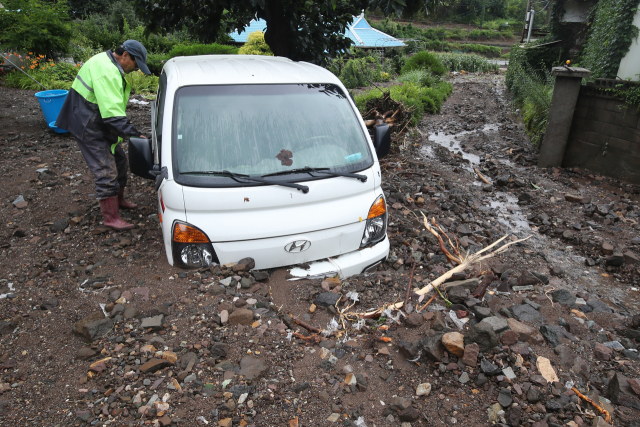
382,140
141,157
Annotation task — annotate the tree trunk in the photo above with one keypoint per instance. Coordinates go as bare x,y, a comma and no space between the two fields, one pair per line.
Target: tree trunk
277,36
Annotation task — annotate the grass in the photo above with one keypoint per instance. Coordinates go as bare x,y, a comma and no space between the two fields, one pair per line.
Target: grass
467,62
531,91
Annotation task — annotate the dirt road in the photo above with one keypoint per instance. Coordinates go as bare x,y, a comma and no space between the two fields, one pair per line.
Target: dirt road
179,348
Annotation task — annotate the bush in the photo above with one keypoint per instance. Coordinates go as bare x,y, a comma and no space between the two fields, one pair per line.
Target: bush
356,73
424,61
255,45
35,26
467,62
141,83
202,49
531,91
51,75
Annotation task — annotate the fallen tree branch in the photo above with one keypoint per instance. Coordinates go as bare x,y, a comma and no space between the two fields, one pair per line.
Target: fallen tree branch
406,298
607,416
305,325
482,178
311,338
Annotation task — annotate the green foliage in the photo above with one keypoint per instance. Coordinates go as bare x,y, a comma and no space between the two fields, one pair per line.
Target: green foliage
52,76
35,26
419,90
425,61
610,37
531,91
480,49
141,83
202,49
356,73
255,45
467,62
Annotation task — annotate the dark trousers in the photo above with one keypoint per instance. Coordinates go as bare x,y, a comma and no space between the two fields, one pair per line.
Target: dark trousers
109,170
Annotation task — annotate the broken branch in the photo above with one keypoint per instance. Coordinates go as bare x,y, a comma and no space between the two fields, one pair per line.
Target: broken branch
603,411
305,325
482,178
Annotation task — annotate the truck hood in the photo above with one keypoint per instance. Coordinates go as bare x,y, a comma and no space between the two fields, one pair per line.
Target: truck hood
260,212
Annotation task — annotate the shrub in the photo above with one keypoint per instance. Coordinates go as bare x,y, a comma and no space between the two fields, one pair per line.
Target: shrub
35,26
356,73
255,45
141,83
424,60
531,92
51,75
467,62
202,49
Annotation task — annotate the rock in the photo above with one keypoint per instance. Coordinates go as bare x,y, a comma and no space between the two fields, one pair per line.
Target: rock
546,370
607,248
615,260
437,323
482,334
489,368
458,295
241,316
631,258
502,180
154,365
508,372
481,312
563,296
49,304
534,395
86,353
635,385
464,378
415,320
598,306
550,335
154,323
504,398
513,416
398,404
423,389
600,422
509,338
334,417
93,326
470,357
432,348
526,313
249,263
621,393
602,352
469,284
498,324
84,415
327,299
410,350
454,343
492,413
252,368
409,414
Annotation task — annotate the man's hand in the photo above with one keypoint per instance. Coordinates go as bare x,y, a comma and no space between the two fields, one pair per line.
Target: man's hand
142,136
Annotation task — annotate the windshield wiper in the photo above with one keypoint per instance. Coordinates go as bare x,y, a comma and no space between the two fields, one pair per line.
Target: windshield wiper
237,177
309,170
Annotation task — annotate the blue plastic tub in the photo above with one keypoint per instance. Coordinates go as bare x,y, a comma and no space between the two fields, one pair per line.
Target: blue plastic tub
51,103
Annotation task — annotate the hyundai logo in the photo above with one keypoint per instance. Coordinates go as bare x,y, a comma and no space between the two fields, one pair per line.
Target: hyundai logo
297,246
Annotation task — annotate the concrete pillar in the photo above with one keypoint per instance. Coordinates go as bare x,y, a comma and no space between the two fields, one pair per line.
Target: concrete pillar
563,104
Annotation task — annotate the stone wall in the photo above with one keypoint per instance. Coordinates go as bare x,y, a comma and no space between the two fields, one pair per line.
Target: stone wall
605,134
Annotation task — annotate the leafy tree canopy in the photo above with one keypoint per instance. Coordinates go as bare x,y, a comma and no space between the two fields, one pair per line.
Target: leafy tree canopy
302,30
35,26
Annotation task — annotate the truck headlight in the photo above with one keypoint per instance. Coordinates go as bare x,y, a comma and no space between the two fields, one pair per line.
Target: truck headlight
191,247
375,230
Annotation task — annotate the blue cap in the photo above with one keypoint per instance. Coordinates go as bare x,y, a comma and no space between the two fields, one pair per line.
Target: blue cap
139,53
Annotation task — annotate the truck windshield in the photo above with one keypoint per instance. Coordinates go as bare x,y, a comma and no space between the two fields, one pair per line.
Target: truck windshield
265,129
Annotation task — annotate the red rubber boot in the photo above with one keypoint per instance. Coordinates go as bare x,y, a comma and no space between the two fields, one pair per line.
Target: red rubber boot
124,204
111,214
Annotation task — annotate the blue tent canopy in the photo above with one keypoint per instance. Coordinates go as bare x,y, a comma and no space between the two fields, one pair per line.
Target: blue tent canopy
359,32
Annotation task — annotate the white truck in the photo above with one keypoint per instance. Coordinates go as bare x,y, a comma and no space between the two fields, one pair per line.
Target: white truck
264,157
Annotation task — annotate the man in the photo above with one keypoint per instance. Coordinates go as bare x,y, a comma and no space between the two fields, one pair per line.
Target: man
94,113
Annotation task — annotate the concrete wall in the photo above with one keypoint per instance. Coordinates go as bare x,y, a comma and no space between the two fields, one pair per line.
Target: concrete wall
604,135
630,64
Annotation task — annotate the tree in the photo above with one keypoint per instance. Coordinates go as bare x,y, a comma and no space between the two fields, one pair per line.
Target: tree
35,26
302,30
255,45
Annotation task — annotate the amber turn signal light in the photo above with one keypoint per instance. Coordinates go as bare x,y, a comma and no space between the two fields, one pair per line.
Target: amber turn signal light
378,208
183,233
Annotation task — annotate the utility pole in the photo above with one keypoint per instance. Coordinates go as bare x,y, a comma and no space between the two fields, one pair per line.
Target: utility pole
482,16
531,17
526,20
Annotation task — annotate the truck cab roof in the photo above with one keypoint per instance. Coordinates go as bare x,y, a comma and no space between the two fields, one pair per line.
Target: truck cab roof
243,69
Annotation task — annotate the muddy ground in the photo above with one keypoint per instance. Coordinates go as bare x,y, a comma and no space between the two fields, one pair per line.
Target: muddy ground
178,348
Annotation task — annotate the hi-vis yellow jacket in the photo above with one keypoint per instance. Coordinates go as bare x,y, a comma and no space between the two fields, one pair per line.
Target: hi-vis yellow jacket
95,106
